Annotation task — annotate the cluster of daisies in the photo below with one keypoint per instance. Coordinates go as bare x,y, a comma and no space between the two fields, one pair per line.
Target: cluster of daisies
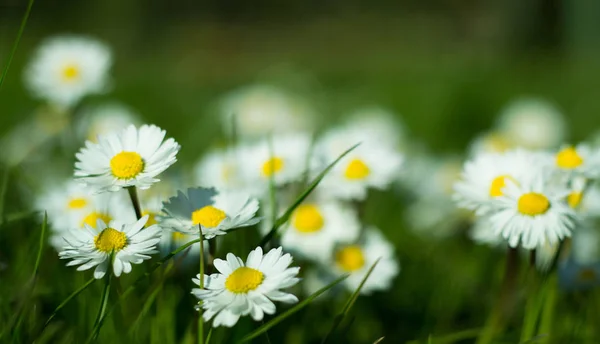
114,212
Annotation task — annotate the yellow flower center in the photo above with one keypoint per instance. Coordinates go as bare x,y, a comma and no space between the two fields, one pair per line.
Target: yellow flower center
243,280
350,258
92,218
208,216
497,184
151,218
126,165
568,158
533,204
70,72
574,199
272,166
110,240
308,218
497,142
77,203
357,170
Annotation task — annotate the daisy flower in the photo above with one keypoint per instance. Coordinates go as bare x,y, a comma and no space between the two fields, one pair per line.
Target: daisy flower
357,259
532,124
127,243
315,227
580,160
65,69
132,157
105,118
285,164
369,165
241,289
485,176
220,169
260,110
381,124
216,212
490,142
532,213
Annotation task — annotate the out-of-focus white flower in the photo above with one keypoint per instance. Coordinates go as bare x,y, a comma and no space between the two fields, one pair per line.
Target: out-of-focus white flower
220,169
581,160
127,243
241,289
532,213
216,212
357,259
382,125
131,157
315,227
490,142
482,232
67,68
533,124
370,165
260,110
286,163
104,119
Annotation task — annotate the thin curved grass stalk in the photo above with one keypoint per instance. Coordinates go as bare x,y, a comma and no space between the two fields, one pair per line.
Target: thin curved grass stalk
103,303
340,317
16,43
132,287
285,217
263,328
200,312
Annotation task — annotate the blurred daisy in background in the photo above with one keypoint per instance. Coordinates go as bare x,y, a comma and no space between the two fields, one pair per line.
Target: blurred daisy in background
532,213
379,124
532,123
127,243
250,288
131,157
490,142
216,212
260,110
482,232
67,68
356,259
104,119
316,226
219,168
286,163
370,165
580,160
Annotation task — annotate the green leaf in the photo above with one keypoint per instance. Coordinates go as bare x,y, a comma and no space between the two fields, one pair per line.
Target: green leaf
265,327
285,217
16,43
340,317
451,338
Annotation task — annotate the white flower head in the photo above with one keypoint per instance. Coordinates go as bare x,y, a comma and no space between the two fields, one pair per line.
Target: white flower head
286,163
485,176
532,124
104,119
370,165
378,124
490,142
132,157
357,259
65,69
315,227
259,110
127,243
532,213
216,212
581,160
220,169
241,289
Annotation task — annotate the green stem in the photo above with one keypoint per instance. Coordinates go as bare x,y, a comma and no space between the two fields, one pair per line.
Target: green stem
103,303
16,43
135,201
200,319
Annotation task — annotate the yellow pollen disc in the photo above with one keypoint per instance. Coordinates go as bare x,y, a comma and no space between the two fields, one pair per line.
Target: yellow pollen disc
497,184
574,199
151,218
110,240
356,170
243,280
208,216
70,72
350,258
77,203
568,158
308,219
93,217
126,165
533,204
272,166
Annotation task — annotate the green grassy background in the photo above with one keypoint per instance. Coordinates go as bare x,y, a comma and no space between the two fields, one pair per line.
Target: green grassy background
446,67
